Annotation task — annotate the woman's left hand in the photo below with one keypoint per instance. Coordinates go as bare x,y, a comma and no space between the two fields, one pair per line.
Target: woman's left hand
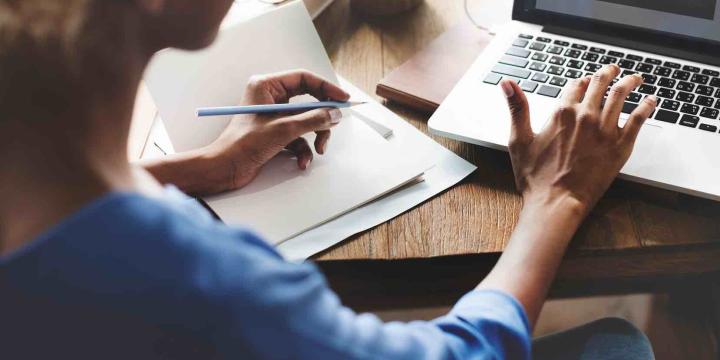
250,141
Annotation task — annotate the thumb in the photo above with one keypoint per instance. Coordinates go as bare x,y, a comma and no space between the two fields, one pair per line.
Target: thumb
521,132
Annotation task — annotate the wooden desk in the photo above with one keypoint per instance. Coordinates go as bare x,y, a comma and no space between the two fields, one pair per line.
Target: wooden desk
638,238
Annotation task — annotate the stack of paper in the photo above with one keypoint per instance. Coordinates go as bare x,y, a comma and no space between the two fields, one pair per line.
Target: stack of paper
359,166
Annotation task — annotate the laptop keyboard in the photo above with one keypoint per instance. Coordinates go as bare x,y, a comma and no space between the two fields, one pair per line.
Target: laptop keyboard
687,95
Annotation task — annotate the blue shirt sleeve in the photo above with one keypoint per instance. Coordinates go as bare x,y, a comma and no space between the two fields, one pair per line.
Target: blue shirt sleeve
179,269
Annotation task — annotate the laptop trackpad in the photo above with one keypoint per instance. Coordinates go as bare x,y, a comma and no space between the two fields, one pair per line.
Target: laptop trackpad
644,155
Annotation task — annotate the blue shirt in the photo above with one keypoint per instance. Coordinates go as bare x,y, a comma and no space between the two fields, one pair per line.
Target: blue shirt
129,276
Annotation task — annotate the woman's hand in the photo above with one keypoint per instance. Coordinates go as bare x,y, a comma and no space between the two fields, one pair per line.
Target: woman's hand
562,172
250,141
582,149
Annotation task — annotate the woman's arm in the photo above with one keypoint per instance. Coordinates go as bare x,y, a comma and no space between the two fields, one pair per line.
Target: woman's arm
250,141
562,172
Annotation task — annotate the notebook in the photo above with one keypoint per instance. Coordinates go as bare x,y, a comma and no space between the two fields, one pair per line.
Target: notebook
359,166
427,78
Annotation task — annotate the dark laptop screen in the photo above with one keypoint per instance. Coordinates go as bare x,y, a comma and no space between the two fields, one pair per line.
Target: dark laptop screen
698,19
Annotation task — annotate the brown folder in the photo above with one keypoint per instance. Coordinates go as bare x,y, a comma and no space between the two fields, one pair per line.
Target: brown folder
427,78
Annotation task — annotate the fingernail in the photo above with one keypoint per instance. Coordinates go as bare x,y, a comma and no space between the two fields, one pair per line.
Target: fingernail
507,89
335,116
638,76
653,98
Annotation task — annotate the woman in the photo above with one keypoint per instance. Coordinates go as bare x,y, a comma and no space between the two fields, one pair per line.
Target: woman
98,260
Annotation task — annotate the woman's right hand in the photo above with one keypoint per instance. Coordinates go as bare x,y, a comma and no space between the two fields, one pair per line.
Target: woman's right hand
582,149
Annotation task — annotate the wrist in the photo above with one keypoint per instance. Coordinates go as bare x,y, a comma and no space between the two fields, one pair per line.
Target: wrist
196,172
557,204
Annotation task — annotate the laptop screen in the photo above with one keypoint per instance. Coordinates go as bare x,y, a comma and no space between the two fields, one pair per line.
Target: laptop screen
698,19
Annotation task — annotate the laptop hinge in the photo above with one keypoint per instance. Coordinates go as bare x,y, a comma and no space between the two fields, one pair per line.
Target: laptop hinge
701,57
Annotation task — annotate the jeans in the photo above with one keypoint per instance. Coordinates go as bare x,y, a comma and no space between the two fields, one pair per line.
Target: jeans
610,338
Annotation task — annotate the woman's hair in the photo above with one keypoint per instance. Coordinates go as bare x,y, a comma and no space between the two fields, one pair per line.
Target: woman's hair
50,48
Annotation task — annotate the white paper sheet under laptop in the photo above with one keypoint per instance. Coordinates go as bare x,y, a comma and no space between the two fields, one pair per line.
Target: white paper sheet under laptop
282,201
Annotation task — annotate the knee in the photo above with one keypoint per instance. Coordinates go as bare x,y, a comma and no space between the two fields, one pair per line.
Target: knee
625,329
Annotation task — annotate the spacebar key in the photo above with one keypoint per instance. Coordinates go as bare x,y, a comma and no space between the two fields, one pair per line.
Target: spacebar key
511,70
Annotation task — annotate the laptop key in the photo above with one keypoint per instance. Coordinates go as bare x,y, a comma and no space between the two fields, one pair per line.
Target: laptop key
626,64
666,93
704,101
662,71
616,53
573,53
538,66
667,116
690,109
634,97
561,43
511,70
710,113
573,74
575,64
550,91
653,61
492,78
700,79
666,82
671,64
691,68
525,36
555,50
608,60
628,107
556,70
540,77
643,67
715,82
717,104
520,43
592,67
649,79
704,90
543,39
528,86
540,56
579,46
685,86
514,61
647,89
706,127
597,50
685,97
537,46
689,120
516,51
681,75
557,60
558,81
588,56
634,57
709,72
670,105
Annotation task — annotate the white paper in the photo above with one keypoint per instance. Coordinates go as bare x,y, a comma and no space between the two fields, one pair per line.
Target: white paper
262,44
283,201
449,170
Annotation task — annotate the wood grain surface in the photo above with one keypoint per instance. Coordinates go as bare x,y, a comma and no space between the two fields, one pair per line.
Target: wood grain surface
478,215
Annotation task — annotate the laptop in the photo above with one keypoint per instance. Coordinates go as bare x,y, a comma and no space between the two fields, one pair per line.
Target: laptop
674,45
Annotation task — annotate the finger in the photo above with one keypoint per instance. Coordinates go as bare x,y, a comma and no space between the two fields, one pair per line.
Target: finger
316,120
321,141
616,99
302,151
637,118
576,91
521,132
300,82
599,84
